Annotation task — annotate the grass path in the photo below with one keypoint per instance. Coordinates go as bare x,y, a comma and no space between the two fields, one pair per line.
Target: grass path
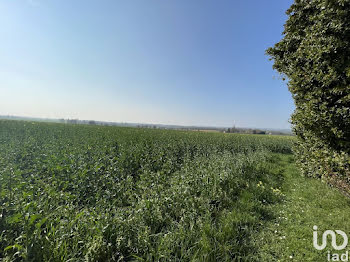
306,202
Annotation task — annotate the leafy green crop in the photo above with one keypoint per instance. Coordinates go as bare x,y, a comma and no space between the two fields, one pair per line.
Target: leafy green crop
93,193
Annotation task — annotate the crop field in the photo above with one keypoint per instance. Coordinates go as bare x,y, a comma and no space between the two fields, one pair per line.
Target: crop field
96,193
78,192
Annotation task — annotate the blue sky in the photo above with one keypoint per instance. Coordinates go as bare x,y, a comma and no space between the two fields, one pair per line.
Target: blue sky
188,62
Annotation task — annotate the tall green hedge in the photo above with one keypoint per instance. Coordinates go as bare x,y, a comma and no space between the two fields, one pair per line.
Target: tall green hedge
314,56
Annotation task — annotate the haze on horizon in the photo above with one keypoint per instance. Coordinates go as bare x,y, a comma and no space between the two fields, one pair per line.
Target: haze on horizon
197,62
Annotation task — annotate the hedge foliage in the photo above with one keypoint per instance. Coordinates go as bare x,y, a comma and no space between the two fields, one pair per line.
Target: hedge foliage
314,55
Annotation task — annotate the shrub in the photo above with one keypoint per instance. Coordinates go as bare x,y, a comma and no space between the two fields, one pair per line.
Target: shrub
314,55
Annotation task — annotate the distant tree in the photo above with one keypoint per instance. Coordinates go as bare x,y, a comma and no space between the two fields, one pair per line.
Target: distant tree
314,56
72,121
258,132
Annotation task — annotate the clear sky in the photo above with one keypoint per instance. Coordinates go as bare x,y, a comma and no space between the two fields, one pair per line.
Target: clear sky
188,62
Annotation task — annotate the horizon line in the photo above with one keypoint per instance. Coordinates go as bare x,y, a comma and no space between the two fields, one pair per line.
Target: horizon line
138,123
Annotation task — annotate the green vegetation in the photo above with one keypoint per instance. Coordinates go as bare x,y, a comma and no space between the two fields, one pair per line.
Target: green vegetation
307,202
315,57
94,193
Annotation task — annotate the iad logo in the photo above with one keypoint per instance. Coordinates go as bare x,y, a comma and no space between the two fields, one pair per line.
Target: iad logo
333,238
330,255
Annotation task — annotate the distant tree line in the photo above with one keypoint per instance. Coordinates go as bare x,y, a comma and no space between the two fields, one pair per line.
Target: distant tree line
245,131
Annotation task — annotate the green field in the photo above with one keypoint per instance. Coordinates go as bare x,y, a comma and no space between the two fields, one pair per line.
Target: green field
95,193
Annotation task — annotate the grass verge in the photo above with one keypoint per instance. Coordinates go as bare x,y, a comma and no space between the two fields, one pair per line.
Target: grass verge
306,202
